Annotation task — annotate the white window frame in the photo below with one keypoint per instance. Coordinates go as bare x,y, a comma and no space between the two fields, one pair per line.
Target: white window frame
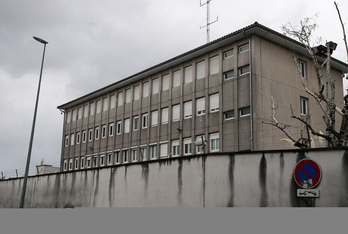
155,86
96,133
79,113
95,161
68,116
74,115
164,150
111,129
143,153
85,111
165,82
242,70
200,106
146,89
214,102
244,48
229,112
91,108
105,104
102,160
88,161
117,157
71,163
120,99
188,74
175,148
125,155
200,70
90,134
154,118
78,138
176,113
188,110
303,106
302,67
244,109
82,166
176,78
135,123
84,136
214,142
72,139
228,54
214,65
164,115
98,104
199,148
128,95
112,101
187,146
119,127
109,158
134,155
229,75
153,151
65,165
144,121
104,133
136,92
126,125
66,140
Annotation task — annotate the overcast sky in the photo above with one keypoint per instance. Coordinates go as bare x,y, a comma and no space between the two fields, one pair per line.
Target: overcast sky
95,43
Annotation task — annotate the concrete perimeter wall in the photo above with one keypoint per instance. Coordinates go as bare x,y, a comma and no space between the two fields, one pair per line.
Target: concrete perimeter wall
219,180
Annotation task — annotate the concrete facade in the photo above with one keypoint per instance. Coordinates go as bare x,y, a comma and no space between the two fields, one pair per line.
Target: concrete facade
254,179
235,77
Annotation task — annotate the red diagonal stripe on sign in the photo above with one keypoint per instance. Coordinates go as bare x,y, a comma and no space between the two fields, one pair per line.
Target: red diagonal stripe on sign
309,175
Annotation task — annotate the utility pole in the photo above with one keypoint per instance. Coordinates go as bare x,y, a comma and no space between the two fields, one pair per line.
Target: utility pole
208,18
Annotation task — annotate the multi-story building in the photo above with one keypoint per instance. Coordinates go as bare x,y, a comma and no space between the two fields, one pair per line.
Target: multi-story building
210,99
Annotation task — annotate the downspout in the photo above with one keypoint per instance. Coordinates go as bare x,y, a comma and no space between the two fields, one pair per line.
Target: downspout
251,97
62,111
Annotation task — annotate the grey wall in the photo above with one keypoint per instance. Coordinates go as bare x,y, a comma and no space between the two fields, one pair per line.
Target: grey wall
220,180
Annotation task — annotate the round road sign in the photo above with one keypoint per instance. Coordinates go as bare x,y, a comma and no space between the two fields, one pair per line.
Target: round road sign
307,173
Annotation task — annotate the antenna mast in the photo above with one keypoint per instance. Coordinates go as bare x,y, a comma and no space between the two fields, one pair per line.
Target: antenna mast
208,18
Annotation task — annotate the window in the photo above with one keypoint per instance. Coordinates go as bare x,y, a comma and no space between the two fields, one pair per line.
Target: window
82,163
229,115
126,125
176,78
72,139
90,134
146,89
70,164
109,158
95,161
119,127
96,133
88,161
98,106
165,116
65,165
187,146
164,150
303,106
200,70
200,144
136,92
79,113
128,95
103,131
78,138
188,110
243,48
74,115
85,111
154,118
83,136
117,157
244,70
165,82
102,160
135,123
144,121
175,148
111,129
214,102
134,155
143,153
91,109
105,104
200,106
112,101
229,75
155,86
153,151
66,140
188,74
214,142
176,113
228,54
302,67
68,117
245,111
125,156
120,99
214,65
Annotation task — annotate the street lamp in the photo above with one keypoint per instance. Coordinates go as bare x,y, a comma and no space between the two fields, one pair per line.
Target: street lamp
33,125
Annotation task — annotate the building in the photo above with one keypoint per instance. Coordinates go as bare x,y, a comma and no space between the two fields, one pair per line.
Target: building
210,99
44,169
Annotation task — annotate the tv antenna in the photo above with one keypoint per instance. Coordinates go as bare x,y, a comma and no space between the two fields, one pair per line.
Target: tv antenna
208,18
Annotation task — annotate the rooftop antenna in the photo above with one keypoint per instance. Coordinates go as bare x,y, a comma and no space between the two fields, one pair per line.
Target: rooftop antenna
208,18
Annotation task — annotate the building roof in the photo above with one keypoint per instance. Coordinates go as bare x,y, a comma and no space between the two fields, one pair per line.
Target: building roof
254,29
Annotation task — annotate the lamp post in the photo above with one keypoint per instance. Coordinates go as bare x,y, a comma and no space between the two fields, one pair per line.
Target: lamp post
33,125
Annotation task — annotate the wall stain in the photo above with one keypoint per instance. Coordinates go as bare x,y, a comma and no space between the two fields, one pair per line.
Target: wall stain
343,202
180,182
96,180
231,179
56,191
262,181
145,175
281,165
112,186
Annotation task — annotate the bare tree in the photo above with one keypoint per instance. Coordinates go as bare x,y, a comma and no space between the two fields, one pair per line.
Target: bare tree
327,104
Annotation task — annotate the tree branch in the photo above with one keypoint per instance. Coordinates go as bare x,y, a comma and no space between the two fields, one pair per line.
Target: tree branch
344,32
